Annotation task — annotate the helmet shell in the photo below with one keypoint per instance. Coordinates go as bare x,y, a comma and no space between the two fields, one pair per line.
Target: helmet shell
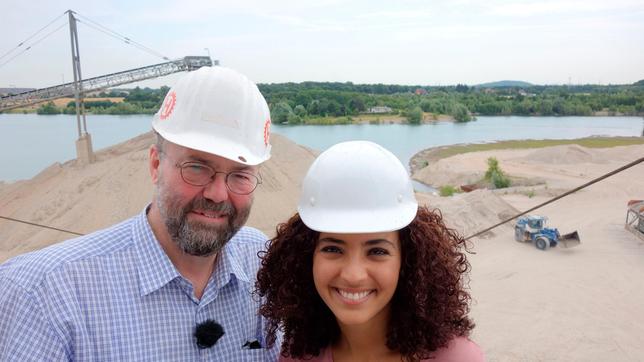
219,111
357,187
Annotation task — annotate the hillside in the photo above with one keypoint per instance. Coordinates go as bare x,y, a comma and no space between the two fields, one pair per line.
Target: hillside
505,83
117,186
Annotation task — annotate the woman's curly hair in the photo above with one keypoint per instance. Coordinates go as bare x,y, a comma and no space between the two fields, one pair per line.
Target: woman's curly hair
429,307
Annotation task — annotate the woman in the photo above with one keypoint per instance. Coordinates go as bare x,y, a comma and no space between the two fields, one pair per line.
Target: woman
362,272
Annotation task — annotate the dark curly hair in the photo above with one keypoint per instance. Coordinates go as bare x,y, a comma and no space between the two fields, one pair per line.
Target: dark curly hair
428,309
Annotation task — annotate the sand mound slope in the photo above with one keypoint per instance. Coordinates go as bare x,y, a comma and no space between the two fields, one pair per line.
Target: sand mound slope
558,167
117,186
567,154
472,212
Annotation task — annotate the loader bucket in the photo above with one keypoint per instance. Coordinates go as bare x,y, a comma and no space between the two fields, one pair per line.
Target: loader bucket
569,240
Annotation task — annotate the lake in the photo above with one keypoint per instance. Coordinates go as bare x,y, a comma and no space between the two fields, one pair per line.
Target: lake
31,142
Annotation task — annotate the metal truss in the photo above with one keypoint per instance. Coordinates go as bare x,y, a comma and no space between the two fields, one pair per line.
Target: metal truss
90,85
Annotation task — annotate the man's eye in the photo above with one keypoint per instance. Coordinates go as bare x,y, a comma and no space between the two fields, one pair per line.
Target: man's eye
378,251
240,176
196,168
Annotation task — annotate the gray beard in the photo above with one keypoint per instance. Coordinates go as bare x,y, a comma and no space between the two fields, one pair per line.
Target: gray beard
196,238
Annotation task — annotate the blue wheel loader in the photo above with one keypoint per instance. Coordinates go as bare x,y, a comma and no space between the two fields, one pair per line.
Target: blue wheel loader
532,228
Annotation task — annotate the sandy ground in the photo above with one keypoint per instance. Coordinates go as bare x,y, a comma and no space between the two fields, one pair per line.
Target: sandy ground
117,186
579,304
428,118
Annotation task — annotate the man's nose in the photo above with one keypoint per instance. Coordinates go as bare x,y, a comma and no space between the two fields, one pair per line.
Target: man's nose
216,190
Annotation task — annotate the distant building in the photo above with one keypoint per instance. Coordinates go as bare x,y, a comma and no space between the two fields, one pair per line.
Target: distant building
379,109
420,91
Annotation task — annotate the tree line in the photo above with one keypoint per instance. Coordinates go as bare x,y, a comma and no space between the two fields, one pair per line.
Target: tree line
135,101
335,102
294,103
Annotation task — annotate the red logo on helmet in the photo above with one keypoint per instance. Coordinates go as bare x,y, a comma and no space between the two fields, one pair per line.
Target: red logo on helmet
267,131
168,105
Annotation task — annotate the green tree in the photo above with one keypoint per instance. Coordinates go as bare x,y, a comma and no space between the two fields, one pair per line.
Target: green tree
414,115
280,112
48,108
460,113
292,118
495,175
300,111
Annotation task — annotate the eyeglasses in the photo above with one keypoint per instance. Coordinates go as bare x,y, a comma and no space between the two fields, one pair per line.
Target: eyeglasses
198,174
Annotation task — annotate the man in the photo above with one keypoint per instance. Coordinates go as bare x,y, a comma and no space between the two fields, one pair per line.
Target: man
175,282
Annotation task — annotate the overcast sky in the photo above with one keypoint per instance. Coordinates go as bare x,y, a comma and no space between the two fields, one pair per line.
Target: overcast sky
399,42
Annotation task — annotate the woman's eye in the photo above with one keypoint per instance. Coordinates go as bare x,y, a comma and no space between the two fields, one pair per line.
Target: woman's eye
330,249
378,251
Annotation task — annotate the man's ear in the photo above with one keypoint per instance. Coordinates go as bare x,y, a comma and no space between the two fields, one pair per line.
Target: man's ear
155,161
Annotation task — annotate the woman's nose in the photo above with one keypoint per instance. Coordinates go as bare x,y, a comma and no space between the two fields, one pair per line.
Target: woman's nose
354,271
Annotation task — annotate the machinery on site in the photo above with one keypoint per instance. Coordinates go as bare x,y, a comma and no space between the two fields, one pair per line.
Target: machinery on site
532,228
635,218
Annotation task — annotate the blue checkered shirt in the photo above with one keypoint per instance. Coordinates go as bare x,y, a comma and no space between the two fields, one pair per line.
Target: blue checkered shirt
115,296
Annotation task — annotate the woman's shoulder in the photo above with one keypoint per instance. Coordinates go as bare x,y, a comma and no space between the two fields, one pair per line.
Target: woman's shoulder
459,349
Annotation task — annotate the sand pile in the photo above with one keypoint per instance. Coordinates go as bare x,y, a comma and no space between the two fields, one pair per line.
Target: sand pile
117,186
472,212
566,154
447,172
549,166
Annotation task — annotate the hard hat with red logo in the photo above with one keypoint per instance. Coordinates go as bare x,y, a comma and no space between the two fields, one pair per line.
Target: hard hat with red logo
357,187
219,111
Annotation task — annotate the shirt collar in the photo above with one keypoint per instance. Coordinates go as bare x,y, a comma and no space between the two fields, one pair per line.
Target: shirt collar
229,264
155,268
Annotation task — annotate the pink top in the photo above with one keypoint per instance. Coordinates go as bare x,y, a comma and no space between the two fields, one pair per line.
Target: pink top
459,349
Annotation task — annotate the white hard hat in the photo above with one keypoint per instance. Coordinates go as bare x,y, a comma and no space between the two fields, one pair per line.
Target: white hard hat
357,187
219,111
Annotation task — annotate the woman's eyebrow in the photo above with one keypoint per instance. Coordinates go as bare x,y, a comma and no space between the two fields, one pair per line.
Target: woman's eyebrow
379,241
332,240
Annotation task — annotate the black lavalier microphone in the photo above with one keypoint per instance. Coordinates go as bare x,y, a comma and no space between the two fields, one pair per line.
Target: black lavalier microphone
208,333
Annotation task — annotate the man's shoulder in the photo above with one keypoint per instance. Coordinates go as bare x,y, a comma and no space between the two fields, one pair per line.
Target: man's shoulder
30,269
249,237
243,250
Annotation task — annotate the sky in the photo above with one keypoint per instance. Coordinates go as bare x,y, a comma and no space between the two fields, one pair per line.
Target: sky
437,42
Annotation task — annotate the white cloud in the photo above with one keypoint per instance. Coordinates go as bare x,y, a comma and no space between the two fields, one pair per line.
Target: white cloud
575,7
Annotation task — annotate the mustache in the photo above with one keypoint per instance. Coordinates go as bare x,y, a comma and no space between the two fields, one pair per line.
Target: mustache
207,205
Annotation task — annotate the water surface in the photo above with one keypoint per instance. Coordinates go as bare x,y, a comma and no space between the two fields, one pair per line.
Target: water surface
30,142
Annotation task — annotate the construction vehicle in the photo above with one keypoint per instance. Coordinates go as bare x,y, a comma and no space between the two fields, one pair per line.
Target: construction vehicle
532,228
635,218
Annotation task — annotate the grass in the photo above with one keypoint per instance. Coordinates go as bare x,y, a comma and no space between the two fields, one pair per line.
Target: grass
62,103
448,190
530,194
378,118
590,142
329,120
